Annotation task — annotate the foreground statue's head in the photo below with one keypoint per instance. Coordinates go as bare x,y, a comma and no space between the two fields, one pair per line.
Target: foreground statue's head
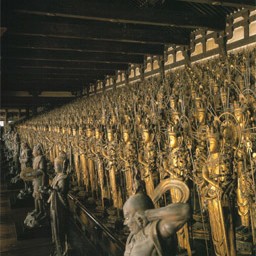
37,150
134,208
60,163
24,145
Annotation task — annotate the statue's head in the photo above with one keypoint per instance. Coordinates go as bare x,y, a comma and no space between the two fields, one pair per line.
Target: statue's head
59,164
133,209
110,134
213,140
37,150
200,115
24,145
89,132
146,135
126,135
98,133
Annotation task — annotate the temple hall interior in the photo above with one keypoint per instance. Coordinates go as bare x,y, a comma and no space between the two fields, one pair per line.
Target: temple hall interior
128,128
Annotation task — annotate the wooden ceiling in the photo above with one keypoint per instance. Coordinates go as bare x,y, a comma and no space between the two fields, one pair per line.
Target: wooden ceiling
62,45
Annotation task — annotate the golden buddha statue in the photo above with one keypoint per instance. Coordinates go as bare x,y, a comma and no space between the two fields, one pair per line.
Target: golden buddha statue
111,156
76,154
217,174
128,156
83,158
176,165
89,157
147,159
243,167
99,164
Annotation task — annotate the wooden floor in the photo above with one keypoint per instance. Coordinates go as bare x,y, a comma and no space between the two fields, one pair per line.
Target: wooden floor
36,246
9,245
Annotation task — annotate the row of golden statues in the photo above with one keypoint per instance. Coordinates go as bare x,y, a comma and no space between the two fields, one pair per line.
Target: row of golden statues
197,126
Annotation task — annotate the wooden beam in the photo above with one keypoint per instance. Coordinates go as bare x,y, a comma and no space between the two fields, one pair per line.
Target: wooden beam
8,102
116,12
82,45
64,64
51,76
42,94
101,31
72,56
227,3
6,71
43,85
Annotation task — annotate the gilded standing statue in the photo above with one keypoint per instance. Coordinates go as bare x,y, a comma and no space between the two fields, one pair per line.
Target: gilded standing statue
128,156
217,174
111,156
147,159
176,166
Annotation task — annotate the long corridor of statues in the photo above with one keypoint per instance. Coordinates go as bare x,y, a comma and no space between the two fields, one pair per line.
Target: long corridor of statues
197,127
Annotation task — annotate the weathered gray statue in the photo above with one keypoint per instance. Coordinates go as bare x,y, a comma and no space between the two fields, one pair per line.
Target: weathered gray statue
59,207
152,230
25,162
40,183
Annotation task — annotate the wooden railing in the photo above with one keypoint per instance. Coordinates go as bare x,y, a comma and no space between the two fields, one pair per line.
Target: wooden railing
104,240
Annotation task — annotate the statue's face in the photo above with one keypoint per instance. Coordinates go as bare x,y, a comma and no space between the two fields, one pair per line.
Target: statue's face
146,136
215,89
172,103
110,136
89,133
130,220
173,142
213,144
126,136
200,116
97,134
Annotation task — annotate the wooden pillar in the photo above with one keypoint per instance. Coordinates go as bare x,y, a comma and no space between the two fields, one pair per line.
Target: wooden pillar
19,114
34,110
114,83
104,85
142,69
246,16
187,54
126,75
27,112
88,91
221,40
161,65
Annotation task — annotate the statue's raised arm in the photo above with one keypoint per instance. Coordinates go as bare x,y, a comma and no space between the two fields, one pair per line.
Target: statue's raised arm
151,230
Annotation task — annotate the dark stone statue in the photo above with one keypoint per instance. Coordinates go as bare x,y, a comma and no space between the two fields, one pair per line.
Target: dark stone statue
25,162
59,207
40,183
152,231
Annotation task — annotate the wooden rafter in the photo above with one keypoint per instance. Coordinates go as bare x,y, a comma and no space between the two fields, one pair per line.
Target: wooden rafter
227,3
72,56
65,64
117,13
100,31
